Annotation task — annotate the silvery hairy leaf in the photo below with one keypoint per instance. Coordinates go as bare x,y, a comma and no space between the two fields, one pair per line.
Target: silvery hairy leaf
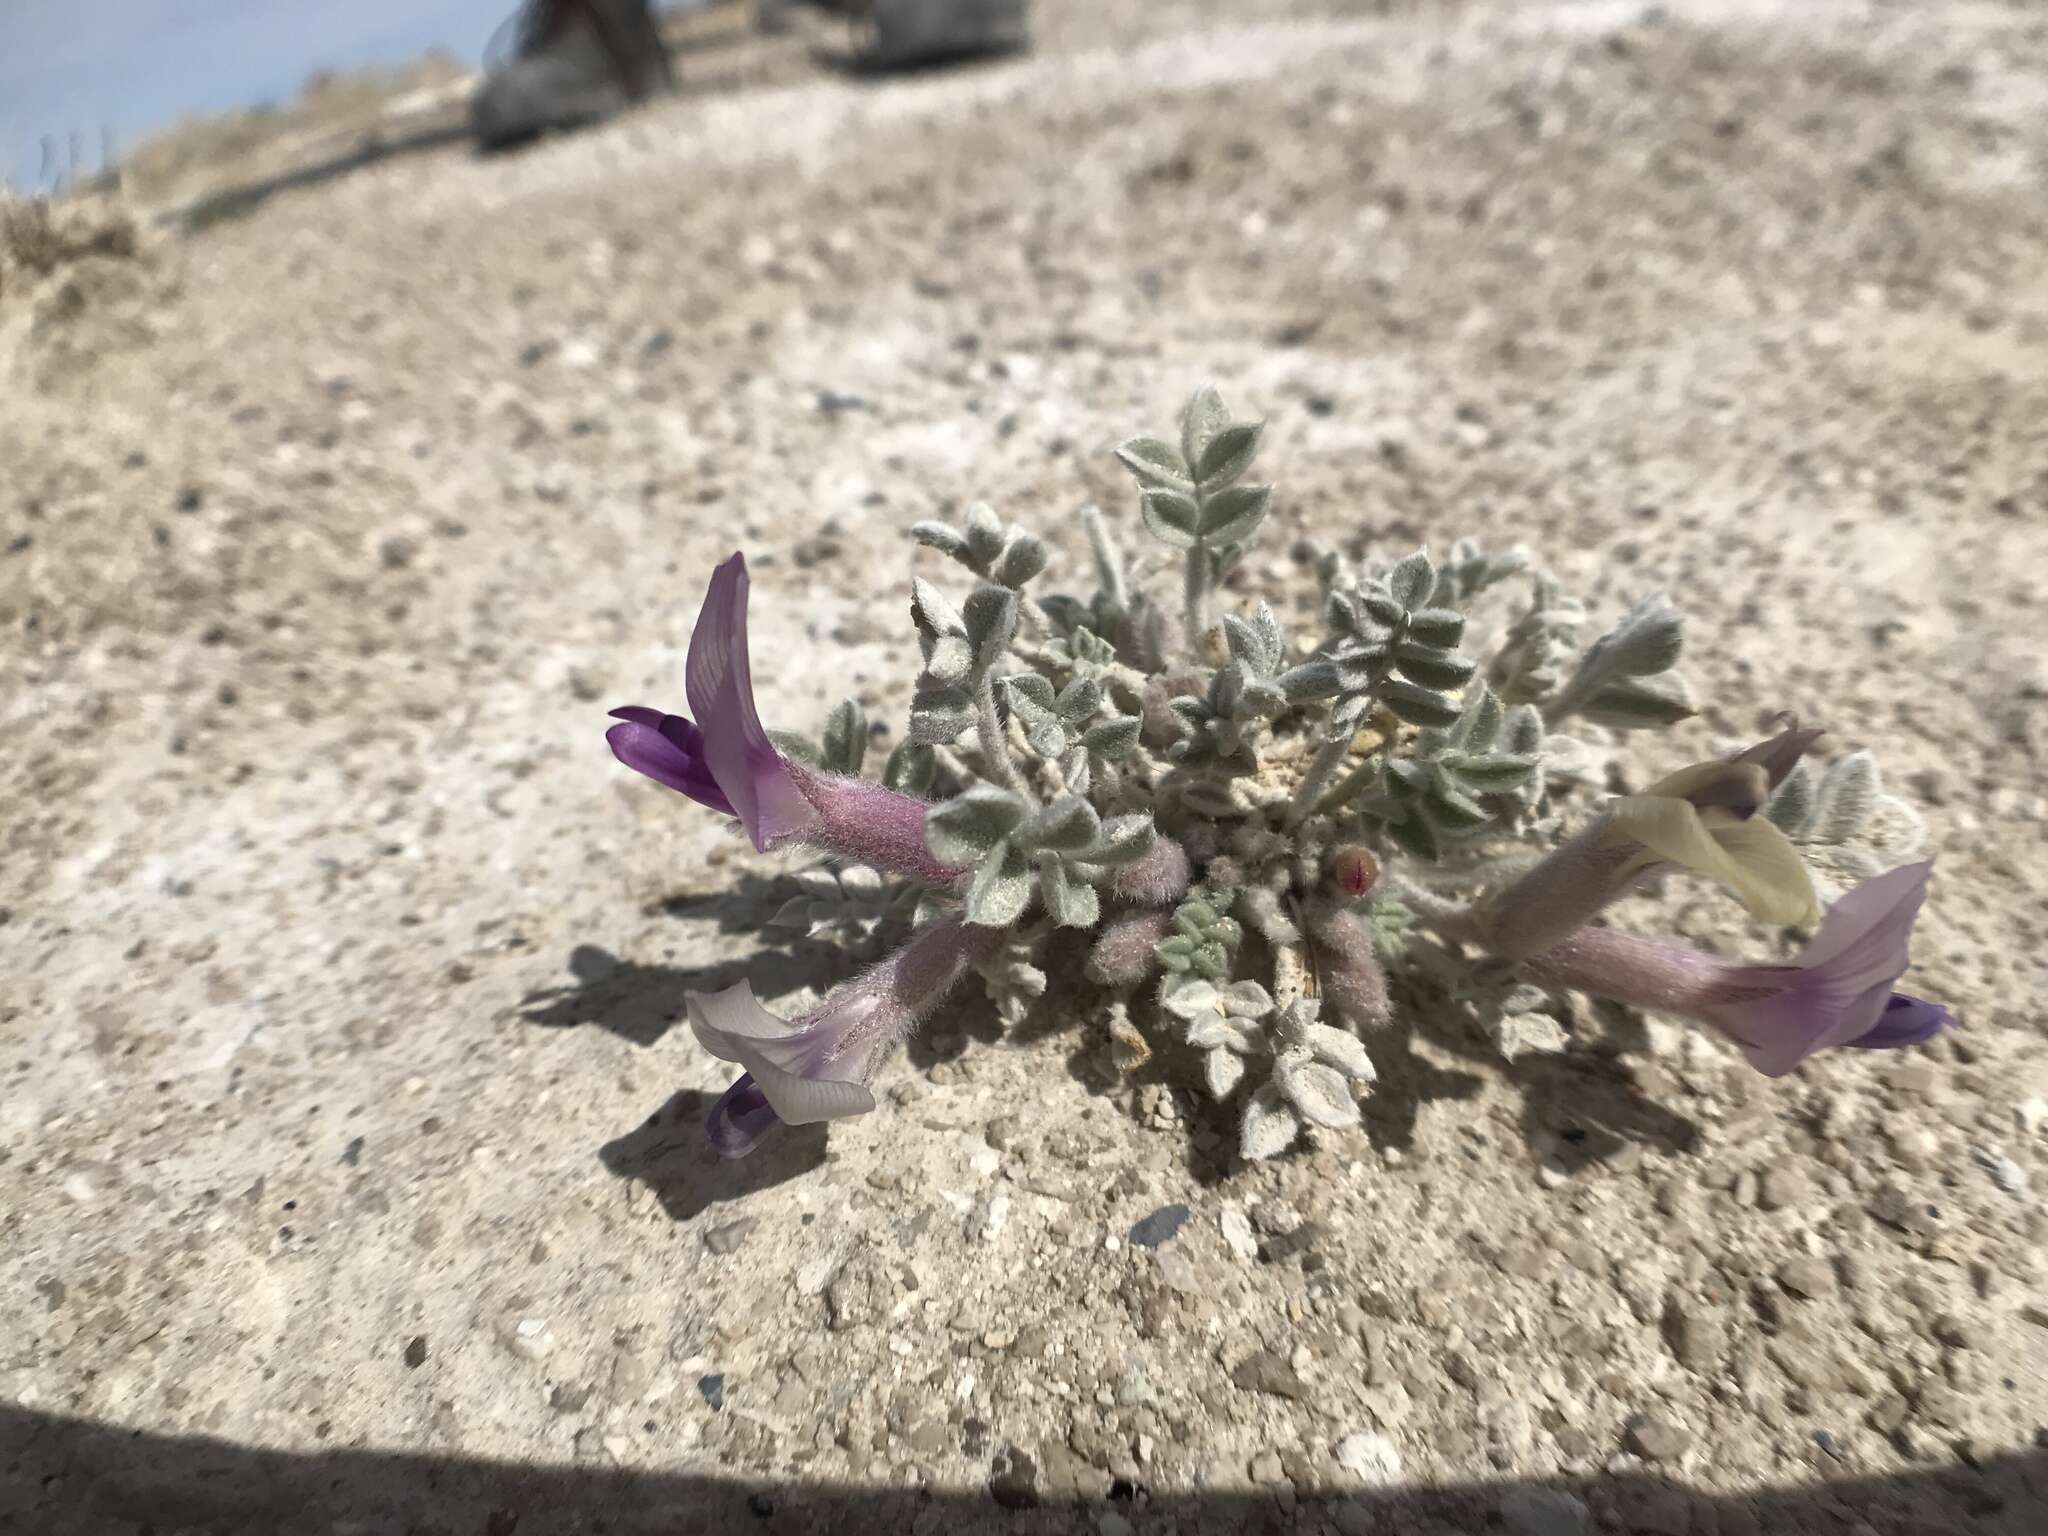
967,828
1451,808
1068,825
984,535
910,769
1479,722
1070,903
1222,1071
1231,516
1638,703
1381,605
1431,667
1319,679
1114,738
845,743
991,619
1417,706
1489,773
1847,795
1078,700
1156,464
1246,1000
1416,835
1229,454
1194,1001
1411,581
940,715
1342,1050
1172,516
1001,889
1791,807
1523,731
940,537
1648,639
1318,1092
1270,1125
1440,627
1112,594
1022,558
1201,422
1122,839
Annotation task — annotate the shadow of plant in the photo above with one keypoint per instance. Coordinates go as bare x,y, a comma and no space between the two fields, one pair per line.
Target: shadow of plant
667,1152
1578,1108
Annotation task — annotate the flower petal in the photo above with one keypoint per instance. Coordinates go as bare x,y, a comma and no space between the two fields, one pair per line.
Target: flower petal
720,684
1866,934
1752,858
800,1069
1781,753
804,1100
669,750
1906,1020
1737,786
740,1118
1773,882
1779,1032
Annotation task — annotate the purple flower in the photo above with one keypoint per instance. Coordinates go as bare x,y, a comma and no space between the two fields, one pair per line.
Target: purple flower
740,1118
819,1066
669,750
1702,818
725,759
1838,993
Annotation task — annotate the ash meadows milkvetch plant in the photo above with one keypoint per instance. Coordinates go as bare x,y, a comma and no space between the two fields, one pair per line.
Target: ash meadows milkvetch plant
1225,832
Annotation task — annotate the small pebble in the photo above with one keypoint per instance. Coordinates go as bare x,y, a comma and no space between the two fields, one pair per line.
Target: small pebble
1267,1372
1372,1458
1656,1439
416,1352
725,1239
2005,1173
1238,1234
712,1389
1806,1277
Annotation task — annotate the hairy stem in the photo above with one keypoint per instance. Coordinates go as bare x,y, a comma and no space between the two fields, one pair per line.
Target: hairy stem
1195,595
1308,793
995,740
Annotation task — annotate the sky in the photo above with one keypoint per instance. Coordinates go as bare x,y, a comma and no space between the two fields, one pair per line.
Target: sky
132,66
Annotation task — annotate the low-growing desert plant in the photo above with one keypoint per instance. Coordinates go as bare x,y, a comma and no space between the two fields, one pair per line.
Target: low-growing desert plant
1232,829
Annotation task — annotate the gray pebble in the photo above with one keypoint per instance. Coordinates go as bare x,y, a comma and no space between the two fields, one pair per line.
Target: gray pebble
1656,1439
725,1239
1267,1372
1783,1188
1806,1277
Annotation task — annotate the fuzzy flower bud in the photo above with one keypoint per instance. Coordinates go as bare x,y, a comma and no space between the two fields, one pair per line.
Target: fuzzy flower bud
1124,951
1354,984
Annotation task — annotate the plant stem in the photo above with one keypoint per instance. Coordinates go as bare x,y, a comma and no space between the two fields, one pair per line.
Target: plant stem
995,741
1351,783
1309,792
1195,596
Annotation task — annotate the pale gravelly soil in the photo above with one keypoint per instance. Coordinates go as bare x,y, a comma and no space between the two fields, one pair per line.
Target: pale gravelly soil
345,1115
